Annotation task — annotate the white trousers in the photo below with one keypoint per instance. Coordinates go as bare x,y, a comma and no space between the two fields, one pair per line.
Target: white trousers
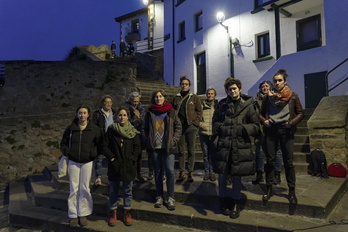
80,202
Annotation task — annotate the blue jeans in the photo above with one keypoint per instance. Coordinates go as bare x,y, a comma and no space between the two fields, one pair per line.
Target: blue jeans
188,136
236,186
127,194
162,159
98,164
206,145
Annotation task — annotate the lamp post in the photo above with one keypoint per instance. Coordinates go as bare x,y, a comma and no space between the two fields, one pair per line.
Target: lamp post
220,17
150,22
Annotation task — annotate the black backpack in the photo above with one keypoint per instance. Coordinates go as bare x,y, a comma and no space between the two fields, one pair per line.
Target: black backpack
317,164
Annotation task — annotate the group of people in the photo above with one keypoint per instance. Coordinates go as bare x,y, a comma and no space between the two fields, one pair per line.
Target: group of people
169,125
125,50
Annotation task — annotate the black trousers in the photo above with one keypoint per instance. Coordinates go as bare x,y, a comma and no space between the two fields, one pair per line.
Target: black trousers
277,135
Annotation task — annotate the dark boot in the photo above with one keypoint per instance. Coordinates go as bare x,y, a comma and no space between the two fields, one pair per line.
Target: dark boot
292,196
268,194
277,178
258,179
225,206
235,212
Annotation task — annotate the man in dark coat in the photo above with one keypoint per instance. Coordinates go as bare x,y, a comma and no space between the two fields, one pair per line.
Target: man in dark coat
233,124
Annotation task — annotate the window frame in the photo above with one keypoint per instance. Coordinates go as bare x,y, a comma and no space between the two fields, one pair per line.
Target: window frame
300,24
181,31
265,46
198,21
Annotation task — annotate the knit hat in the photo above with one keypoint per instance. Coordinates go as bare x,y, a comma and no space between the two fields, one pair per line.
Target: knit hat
104,97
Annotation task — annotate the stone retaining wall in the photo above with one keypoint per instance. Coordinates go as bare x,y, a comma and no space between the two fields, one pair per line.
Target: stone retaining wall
328,128
38,102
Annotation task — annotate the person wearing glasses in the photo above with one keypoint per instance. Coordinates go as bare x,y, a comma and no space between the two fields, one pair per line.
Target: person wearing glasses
233,124
103,118
189,109
280,113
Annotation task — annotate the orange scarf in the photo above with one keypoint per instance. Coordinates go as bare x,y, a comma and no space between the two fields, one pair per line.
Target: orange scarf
282,98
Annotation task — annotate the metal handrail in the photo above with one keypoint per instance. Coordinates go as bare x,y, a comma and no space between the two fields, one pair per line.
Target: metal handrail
327,74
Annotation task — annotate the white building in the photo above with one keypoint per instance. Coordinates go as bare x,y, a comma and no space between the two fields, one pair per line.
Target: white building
305,37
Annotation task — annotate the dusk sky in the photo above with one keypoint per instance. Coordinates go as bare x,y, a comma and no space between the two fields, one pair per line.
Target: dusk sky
48,29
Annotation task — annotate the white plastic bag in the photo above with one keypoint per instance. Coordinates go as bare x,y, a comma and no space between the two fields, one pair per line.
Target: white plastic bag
63,166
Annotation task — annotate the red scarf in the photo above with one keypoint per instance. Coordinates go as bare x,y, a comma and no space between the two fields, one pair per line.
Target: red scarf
282,98
161,109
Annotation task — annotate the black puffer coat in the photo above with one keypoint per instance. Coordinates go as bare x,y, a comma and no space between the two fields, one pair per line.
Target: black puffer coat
234,126
81,145
123,167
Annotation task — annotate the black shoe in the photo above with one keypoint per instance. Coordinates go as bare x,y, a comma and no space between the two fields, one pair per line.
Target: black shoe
277,178
258,179
189,177
235,212
292,197
225,206
181,177
268,194
141,179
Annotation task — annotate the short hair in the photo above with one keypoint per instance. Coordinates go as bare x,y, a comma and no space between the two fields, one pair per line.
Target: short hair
209,89
281,72
233,81
103,99
133,95
155,93
182,78
265,82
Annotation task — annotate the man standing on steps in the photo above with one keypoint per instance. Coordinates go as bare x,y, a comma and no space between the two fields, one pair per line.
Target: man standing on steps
189,109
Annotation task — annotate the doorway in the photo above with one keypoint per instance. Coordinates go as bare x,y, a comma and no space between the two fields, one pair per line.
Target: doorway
315,88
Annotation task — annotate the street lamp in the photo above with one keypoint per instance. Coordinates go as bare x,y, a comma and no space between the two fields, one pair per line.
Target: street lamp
150,22
220,17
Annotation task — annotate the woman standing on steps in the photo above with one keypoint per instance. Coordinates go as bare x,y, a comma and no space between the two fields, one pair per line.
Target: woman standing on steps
162,131
280,113
79,143
121,147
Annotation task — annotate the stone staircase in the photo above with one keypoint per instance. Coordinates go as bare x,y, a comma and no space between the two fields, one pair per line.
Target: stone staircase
41,202
146,85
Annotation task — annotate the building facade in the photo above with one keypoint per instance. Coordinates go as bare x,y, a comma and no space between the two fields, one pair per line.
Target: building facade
253,40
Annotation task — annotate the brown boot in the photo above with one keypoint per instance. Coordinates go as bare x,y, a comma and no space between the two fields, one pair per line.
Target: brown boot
181,177
113,218
189,177
127,217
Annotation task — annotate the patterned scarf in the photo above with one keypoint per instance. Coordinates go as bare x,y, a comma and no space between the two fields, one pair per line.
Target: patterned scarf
127,131
161,109
282,98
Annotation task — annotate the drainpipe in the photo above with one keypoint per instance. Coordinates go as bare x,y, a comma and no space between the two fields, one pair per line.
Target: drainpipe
277,30
173,39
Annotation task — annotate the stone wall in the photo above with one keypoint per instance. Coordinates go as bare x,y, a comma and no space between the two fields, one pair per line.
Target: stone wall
38,102
328,129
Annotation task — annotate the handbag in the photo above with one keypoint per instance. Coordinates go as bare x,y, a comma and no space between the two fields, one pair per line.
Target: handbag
63,162
63,166
337,170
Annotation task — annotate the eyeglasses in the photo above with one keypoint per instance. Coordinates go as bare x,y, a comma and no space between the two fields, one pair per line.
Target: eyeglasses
184,84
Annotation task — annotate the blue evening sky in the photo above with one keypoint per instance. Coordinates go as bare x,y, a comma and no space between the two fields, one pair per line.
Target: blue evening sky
48,29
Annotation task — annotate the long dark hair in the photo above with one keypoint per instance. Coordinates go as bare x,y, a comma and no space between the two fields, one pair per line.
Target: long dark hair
154,95
76,119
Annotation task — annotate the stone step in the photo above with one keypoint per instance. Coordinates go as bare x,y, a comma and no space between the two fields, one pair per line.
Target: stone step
206,193
23,213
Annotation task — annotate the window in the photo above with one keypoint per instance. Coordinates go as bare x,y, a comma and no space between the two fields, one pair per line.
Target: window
198,21
308,33
135,26
182,31
263,46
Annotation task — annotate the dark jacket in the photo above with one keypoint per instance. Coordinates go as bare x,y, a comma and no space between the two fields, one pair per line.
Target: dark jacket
193,108
234,153
123,168
81,145
99,119
295,108
172,130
